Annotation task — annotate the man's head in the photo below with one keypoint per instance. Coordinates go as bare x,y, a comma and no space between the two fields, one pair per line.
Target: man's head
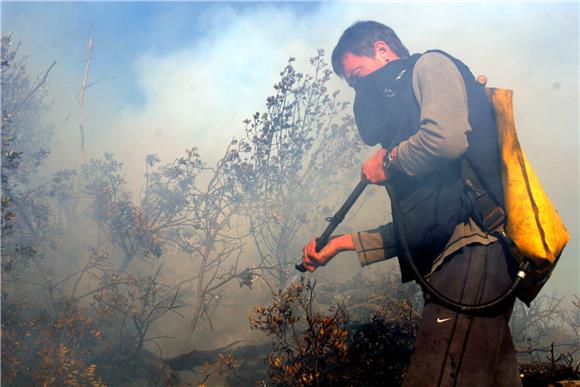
365,47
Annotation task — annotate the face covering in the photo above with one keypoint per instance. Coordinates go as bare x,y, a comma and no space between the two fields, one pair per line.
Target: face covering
378,104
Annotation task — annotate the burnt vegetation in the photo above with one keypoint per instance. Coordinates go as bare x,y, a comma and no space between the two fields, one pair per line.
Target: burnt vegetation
142,295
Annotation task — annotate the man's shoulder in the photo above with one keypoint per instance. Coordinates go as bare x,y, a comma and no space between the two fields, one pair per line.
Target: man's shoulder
434,59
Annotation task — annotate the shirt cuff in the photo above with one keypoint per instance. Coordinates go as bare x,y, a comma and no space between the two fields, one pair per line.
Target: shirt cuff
375,245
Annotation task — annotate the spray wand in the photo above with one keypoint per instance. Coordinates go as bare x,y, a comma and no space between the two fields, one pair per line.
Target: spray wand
335,220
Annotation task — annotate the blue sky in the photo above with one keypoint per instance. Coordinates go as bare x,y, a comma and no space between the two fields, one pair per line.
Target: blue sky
188,73
123,31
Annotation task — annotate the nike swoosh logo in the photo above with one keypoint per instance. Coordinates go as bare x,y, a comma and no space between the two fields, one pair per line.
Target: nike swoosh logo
440,320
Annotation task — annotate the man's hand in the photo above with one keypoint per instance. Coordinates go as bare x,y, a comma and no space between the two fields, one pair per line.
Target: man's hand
312,259
373,170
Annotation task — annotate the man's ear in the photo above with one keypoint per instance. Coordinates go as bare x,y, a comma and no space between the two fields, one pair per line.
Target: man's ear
383,51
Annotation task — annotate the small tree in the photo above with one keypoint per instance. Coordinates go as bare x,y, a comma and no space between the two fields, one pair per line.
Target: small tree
204,227
27,218
186,207
125,224
545,326
294,157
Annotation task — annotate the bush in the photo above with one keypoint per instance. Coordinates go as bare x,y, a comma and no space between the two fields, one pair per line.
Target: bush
311,348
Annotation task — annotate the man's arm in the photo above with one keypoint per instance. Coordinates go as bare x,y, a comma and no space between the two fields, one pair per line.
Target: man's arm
444,124
375,245
371,246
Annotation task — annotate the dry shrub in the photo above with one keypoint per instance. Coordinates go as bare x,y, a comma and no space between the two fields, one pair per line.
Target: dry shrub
40,349
73,341
311,348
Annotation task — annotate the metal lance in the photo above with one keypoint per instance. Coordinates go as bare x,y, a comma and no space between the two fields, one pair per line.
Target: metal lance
334,221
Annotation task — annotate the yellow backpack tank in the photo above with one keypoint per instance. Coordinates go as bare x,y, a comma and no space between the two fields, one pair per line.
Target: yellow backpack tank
533,225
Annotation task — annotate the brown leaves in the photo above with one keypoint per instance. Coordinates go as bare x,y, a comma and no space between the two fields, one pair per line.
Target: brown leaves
224,367
61,366
307,344
316,347
64,347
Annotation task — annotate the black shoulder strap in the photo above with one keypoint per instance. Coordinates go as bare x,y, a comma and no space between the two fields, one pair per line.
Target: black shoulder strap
488,214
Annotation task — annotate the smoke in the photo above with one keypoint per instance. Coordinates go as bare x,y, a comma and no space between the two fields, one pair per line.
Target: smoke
187,74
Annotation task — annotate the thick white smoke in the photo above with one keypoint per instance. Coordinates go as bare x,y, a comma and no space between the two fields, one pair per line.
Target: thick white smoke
199,93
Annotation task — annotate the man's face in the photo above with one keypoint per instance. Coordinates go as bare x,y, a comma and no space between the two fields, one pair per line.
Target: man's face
356,67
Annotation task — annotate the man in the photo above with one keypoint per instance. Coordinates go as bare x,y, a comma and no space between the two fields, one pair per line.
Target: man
428,112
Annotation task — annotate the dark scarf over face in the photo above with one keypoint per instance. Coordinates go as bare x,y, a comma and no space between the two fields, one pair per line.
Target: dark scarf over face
380,101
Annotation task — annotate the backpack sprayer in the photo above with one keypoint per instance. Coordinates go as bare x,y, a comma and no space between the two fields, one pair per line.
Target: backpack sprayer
530,229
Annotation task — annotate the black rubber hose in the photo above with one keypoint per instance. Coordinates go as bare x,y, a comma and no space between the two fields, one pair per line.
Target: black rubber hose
443,300
406,254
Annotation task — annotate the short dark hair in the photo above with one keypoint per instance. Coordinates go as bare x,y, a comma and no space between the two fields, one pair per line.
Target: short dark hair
359,39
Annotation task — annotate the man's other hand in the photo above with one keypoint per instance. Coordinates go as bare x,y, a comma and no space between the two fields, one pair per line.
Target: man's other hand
482,80
373,170
312,259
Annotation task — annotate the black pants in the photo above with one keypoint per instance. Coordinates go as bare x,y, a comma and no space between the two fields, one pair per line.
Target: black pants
456,349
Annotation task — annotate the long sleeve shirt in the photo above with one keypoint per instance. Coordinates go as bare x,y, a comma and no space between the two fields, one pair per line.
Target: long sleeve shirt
441,138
